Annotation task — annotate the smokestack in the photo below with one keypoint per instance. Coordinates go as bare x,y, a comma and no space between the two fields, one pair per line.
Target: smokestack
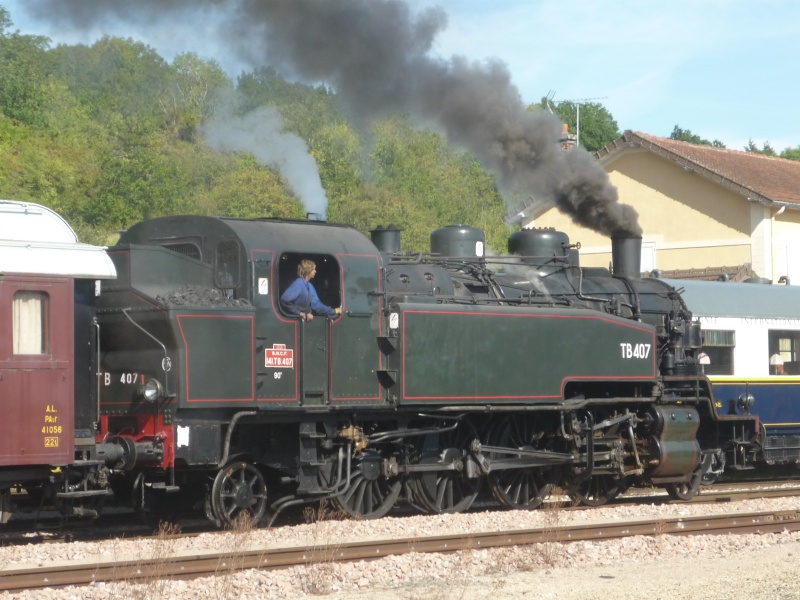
626,255
386,239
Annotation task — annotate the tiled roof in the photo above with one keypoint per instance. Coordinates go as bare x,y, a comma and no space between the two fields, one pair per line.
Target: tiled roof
765,179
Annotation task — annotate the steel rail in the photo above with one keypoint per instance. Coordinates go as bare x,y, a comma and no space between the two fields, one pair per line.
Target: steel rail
197,565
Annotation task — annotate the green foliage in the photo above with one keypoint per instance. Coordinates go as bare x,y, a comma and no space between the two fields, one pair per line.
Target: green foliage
791,153
445,186
337,151
108,134
685,135
597,125
119,81
372,205
249,191
23,73
193,92
766,149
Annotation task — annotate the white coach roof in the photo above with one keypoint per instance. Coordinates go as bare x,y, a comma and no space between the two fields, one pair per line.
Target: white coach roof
36,240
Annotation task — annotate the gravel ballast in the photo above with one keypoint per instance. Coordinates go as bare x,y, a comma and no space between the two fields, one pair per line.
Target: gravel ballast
652,567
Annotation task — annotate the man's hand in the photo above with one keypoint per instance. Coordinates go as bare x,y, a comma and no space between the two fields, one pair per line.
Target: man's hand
306,316
338,310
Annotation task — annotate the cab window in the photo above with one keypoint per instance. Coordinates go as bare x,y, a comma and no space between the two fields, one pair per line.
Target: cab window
226,267
326,282
31,323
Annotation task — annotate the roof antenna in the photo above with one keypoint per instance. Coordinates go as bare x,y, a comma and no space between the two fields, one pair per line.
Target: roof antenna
550,95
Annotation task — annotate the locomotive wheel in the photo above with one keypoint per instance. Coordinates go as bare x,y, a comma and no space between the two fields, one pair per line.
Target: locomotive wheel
446,491
370,495
596,490
239,489
520,489
687,489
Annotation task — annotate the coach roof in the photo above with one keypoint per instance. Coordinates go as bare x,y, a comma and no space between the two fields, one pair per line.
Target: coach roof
35,240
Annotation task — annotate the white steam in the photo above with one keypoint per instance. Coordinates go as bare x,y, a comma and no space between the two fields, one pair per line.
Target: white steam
261,133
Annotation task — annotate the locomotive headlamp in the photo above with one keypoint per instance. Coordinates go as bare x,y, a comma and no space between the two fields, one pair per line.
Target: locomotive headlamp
152,390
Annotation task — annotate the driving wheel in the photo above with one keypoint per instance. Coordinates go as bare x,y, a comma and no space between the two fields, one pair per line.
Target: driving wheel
370,494
520,489
448,490
239,489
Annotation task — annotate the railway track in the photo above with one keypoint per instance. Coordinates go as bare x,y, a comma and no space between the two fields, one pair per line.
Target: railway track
215,564
129,526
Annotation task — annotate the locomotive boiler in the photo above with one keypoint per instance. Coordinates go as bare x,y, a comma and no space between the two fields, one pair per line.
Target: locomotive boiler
445,372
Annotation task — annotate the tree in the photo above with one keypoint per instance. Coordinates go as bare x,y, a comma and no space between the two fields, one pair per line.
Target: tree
195,86
766,149
23,73
120,80
685,135
250,191
445,185
597,125
791,153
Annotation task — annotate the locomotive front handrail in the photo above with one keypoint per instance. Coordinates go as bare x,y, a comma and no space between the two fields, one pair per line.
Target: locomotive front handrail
157,341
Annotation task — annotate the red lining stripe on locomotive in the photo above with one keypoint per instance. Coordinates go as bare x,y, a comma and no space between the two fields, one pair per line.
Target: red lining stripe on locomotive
252,358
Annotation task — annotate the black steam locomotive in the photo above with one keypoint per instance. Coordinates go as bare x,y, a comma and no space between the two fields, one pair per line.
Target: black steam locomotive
445,371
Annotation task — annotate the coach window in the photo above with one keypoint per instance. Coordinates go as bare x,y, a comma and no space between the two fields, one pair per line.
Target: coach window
784,344
327,281
31,323
226,271
718,346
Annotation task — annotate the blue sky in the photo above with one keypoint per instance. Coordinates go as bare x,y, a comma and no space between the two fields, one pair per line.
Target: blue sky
725,69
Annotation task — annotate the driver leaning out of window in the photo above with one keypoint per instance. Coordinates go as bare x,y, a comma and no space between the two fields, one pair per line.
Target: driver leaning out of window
301,298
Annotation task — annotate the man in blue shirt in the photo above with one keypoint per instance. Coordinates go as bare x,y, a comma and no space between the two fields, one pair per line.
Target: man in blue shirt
301,298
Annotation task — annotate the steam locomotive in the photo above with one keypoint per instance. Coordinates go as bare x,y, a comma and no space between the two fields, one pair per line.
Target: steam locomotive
445,372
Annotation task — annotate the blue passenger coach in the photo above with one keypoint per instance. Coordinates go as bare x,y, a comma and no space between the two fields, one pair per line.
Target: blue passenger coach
751,354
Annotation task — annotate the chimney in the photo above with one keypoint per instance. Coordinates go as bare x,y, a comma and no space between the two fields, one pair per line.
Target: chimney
567,140
626,255
312,216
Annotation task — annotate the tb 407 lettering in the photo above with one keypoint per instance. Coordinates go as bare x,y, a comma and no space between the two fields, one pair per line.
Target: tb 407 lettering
634,350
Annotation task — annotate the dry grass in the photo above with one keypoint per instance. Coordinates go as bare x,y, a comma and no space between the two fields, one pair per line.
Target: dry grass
238,541
153,581
321,572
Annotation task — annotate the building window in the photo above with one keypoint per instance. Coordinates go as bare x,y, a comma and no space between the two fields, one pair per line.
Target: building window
718,347
31,323
648,257
783,352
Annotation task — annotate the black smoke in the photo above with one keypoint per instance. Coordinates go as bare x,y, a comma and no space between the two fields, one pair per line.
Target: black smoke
376,55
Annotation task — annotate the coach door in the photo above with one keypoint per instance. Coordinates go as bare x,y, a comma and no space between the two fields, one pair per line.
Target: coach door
36,370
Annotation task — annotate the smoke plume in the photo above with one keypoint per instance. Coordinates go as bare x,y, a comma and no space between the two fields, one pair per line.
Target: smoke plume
375,54
261,133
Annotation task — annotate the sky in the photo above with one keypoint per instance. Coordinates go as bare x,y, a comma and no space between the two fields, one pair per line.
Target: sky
724,69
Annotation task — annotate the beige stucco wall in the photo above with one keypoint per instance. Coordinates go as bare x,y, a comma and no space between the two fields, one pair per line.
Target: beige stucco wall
691,221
